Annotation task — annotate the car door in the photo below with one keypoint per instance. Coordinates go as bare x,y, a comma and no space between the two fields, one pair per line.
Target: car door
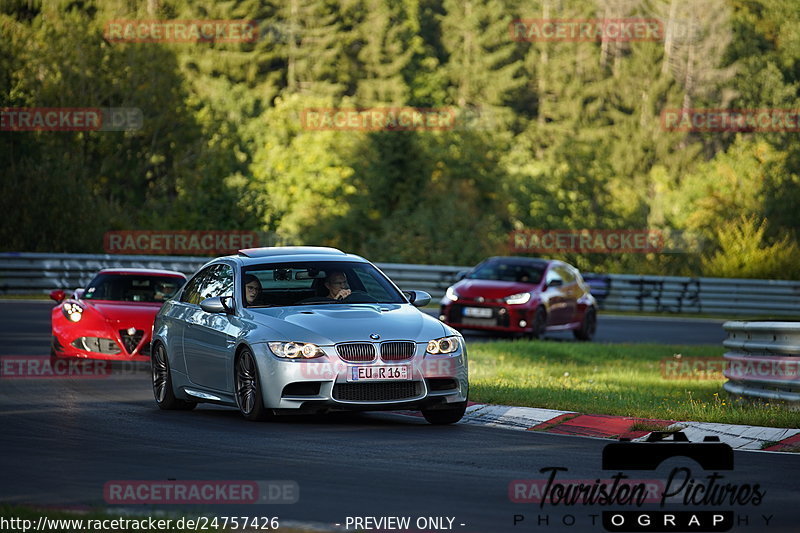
180,310
557,305
570,291
208,338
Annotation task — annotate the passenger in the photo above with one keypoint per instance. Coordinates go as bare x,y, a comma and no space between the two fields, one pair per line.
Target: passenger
336,283
252,289
165,290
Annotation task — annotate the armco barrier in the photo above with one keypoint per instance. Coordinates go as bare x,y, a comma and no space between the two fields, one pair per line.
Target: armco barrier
26,273
763,359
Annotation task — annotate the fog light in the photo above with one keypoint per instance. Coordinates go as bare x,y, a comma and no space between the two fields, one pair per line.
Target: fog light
522,323
441,317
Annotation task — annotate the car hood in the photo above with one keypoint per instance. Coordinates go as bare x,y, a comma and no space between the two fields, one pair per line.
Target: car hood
491,289
334,323
139,315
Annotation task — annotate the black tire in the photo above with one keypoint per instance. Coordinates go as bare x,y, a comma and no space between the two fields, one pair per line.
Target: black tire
248,388
162,382
441,417
539,325
588,326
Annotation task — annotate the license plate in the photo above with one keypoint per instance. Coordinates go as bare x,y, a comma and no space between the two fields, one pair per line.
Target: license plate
478,312
379,373
467,321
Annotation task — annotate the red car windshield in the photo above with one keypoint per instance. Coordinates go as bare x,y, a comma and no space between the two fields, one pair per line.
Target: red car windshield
508,272
132,287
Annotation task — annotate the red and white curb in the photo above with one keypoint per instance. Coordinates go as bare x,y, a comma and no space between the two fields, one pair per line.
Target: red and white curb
614,427
506,417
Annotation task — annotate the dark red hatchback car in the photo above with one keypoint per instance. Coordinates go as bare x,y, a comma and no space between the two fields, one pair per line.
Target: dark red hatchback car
521,295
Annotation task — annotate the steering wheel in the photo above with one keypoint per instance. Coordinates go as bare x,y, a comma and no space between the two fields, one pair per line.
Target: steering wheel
360,297
316,300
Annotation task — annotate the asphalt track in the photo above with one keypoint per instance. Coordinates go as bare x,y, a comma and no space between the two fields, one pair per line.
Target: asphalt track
62,440
25,328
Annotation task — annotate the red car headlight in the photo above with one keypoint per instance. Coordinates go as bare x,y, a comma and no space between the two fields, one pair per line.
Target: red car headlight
451,294
73,312
516,299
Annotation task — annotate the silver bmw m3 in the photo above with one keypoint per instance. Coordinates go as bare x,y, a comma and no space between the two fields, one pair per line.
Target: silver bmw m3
305,329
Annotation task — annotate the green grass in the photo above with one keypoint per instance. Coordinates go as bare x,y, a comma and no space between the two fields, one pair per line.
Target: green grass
612,379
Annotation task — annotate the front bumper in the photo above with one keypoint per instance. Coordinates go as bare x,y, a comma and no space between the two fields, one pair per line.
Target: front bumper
504,318
323,384
112,346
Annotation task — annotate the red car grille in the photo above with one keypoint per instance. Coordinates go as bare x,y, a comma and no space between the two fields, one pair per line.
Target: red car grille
357,352
397,350
131,341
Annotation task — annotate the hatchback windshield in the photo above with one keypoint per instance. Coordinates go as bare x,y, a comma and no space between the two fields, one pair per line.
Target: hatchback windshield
508,272
132,287
319,282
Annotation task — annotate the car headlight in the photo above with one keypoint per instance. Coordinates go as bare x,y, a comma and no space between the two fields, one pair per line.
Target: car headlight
295,350
73,312
451,294
520,298
443,345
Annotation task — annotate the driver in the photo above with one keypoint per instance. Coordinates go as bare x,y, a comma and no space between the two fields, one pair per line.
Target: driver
336,283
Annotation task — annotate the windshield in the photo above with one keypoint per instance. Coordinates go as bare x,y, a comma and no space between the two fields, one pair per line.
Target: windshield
319,282
508,272
132,287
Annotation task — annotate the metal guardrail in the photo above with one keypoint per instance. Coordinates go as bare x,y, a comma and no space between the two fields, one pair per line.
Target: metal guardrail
703,295
28,273
22,273
763,359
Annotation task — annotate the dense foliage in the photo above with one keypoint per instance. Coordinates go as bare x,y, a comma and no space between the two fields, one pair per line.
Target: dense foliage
550,135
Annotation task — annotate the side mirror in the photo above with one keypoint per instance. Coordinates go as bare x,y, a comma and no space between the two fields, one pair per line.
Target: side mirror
217,304
555,283
461,274
418,298
58,295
